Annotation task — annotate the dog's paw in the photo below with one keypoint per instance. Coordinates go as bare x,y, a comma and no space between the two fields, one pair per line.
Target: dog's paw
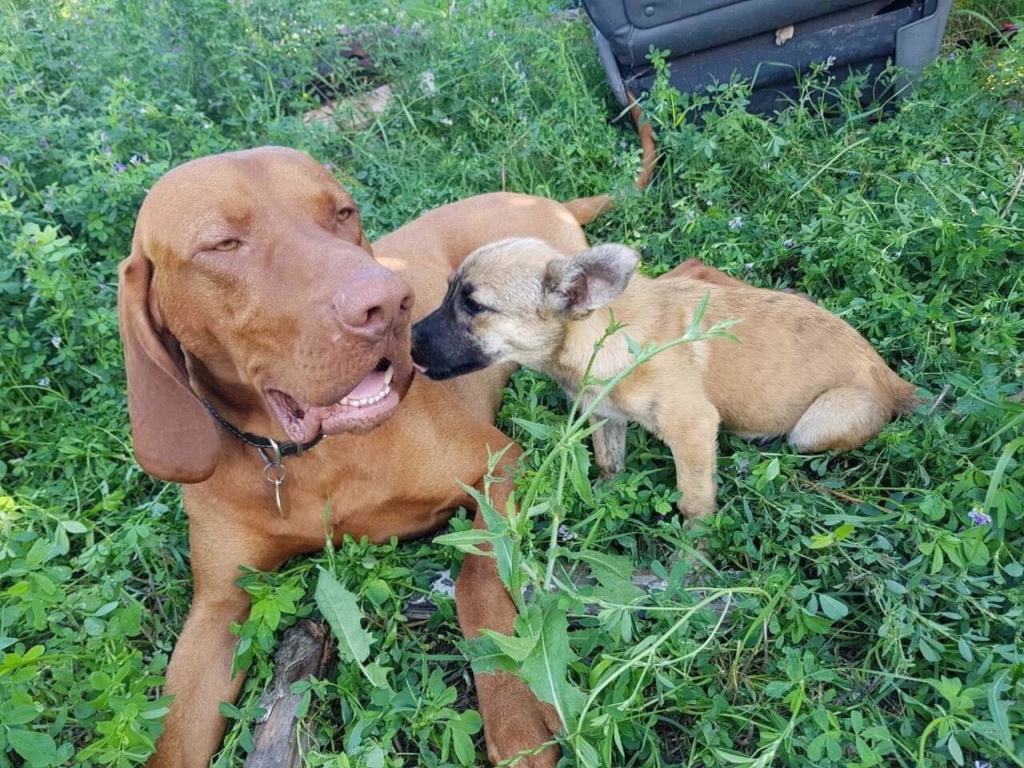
516,724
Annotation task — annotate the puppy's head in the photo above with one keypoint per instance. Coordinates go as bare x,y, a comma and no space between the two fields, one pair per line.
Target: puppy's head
511,301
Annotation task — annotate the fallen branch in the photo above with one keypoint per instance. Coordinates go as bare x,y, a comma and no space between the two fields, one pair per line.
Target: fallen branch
305,652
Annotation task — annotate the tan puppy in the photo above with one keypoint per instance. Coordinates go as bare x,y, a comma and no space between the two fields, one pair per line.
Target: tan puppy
796,371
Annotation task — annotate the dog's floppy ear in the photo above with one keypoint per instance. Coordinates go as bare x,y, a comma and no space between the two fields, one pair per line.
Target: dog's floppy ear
174,437
591,279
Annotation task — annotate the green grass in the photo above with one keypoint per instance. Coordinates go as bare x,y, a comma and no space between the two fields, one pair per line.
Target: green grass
873,622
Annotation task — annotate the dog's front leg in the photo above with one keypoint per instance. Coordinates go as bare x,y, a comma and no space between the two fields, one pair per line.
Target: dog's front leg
694,443
199,675
609,447
515,721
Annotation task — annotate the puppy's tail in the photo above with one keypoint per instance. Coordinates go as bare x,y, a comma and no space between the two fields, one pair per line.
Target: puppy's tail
902,394
586,209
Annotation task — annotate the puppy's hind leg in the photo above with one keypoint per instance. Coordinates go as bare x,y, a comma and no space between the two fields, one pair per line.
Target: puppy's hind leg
610,448
838,420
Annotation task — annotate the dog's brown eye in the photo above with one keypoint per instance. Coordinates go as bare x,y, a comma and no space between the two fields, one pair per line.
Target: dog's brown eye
227,245
344,215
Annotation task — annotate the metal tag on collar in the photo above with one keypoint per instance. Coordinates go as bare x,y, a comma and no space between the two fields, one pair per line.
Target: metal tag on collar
274,473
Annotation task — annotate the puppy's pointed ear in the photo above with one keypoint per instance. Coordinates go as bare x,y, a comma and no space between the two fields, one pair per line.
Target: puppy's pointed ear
174,437
577,286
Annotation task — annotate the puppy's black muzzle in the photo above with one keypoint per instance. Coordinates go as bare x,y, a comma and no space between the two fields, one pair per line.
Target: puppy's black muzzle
446,347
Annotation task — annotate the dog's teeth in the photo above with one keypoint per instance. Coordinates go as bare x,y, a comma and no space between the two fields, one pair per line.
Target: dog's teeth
362,402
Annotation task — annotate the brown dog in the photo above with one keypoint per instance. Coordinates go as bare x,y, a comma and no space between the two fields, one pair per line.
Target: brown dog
256,319
796,371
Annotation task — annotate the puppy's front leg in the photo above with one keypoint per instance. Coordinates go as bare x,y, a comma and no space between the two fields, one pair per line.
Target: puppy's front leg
609,447
693,440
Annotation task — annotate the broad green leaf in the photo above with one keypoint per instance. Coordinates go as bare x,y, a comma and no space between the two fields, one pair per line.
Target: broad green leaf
545,669
999,708
579,467
485,656
843,531
822,540
997,477
339,607
464,749
517,648
38,749
587,754
895,587
954,749
540,431
833,608
377,675
732,758
1014,570
497,525
19,715
467,541
609,570
965,649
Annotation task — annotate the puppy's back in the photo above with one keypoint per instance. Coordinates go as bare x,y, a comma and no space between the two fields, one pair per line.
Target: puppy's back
790,350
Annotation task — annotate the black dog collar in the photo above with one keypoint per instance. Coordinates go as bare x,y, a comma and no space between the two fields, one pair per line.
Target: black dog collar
281,450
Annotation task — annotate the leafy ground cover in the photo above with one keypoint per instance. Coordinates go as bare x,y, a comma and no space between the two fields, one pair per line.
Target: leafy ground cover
875,597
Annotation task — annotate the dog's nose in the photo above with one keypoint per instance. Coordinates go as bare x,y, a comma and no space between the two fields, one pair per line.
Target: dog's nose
373,304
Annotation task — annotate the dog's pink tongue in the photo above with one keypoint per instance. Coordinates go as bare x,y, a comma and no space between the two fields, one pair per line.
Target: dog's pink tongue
368,387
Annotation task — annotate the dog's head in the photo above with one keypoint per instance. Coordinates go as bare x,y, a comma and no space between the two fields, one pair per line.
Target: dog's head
252,284
511,301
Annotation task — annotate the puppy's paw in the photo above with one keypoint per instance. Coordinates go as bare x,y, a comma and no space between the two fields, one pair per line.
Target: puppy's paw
696,509
516,724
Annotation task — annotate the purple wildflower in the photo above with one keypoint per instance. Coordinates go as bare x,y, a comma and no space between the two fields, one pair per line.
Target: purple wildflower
5,161
108,151
736,223
44,143
120,168
979,517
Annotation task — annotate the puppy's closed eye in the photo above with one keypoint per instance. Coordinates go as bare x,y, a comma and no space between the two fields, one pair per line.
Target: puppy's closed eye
470,305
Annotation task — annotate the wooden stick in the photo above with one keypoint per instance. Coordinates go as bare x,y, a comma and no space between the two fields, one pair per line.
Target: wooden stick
304,652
